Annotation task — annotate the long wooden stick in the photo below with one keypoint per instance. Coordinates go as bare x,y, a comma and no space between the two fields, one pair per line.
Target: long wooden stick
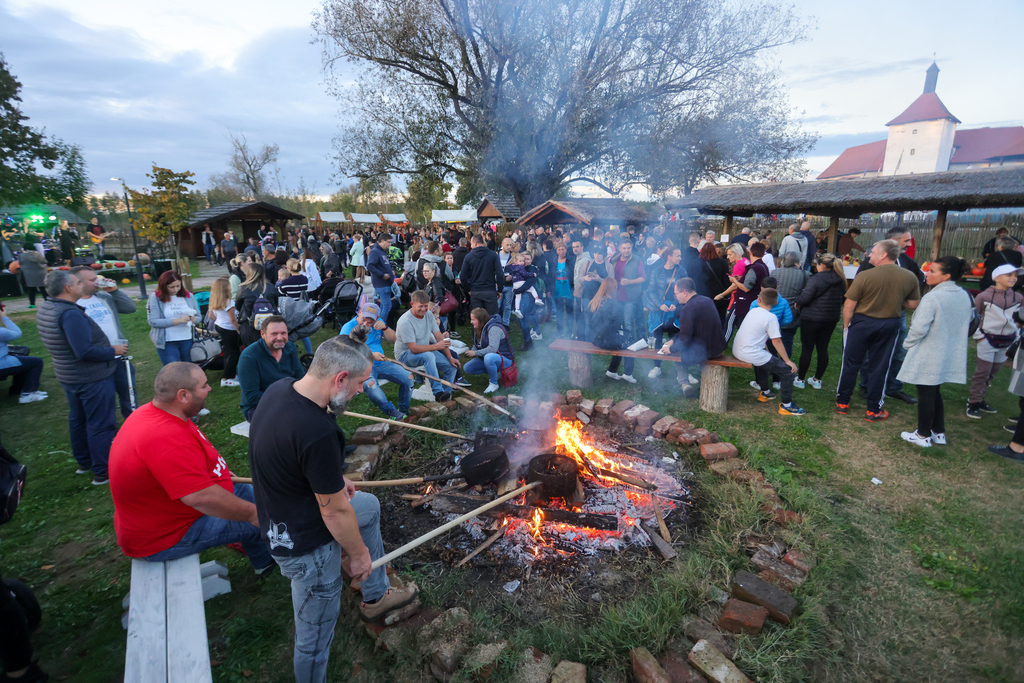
445,382
406,425
482,547
366,484
415,543
661,520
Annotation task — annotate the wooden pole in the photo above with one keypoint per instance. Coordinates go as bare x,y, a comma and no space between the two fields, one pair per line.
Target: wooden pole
728,226
482,547
456,387
833,233
406,425
940,227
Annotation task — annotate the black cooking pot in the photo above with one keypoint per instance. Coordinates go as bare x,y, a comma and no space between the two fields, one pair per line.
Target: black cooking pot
485,465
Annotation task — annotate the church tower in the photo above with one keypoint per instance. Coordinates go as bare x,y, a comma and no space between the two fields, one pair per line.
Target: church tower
921,138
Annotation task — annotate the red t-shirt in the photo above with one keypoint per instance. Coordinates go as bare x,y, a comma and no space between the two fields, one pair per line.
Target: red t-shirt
157,458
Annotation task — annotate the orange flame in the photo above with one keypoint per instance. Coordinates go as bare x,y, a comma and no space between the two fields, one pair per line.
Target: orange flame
538,517
575,444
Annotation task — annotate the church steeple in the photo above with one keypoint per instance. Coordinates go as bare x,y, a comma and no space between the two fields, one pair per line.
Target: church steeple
931,78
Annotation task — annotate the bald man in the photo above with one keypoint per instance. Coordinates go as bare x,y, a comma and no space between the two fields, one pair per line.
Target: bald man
172,490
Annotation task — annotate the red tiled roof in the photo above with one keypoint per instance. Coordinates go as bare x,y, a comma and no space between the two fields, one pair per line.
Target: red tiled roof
856,160
927,107
1014,150
979,144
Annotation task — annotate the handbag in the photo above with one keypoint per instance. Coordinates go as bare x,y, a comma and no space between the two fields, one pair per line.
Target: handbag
17,350
510,375
449,305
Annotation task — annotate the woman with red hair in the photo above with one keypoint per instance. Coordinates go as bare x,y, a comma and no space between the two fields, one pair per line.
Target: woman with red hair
172,313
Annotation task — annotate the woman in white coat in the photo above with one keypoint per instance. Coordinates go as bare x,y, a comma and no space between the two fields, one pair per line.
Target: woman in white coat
937,348
356,258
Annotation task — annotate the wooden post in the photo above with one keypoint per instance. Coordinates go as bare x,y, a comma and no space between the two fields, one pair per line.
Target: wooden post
728,226
940,227
714,388
579,371
833,233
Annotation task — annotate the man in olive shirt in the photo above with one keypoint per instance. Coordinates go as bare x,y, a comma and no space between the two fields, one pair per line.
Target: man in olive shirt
871,325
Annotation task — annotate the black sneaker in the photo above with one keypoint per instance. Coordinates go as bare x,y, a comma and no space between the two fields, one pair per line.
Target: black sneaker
1013,419
903,396
443,396
1010,428
973,411
1007,452
986,408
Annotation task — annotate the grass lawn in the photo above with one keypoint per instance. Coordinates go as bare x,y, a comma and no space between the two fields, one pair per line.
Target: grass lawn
918,578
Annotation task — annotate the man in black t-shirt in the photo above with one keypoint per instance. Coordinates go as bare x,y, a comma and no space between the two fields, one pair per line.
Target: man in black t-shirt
309,511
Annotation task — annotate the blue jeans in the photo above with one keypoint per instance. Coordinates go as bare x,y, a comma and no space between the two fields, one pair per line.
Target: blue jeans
505,306
92,421
121,387
433,363
307,344
632,320
384,294
316,591
26,376
529,319
491,364
209,532
175,351
208,248
563,314
392,373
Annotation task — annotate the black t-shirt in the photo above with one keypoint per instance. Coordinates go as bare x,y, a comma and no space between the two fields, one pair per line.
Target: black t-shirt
295,450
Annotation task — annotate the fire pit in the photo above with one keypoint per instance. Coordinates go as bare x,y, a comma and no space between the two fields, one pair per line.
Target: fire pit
559,476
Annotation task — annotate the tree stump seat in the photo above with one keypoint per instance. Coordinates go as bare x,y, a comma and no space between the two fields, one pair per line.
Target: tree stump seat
714,380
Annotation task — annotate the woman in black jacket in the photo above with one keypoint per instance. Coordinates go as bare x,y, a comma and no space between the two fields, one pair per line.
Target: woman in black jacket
253,287
710,275
606,323
821,306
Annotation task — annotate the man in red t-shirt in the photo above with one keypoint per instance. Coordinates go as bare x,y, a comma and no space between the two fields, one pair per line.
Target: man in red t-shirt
172,490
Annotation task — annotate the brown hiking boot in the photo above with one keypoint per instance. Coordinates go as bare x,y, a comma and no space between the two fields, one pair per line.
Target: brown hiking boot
394,599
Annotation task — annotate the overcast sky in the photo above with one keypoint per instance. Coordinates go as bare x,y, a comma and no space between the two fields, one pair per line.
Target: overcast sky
166,82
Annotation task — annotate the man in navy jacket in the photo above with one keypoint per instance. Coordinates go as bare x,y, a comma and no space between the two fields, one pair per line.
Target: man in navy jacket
381,273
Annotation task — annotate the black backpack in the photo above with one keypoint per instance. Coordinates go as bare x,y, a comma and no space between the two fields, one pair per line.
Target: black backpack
12,484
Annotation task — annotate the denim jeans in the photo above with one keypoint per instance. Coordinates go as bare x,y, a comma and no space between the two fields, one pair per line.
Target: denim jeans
26,376
563,315
175,350
432,362
384,294
316,591
307,344
92,421
121,386
208,248
505,307
582,333
632,312
529,320
210,532
392,373
491,364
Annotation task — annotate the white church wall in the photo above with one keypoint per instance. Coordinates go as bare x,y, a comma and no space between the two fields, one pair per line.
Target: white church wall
919,147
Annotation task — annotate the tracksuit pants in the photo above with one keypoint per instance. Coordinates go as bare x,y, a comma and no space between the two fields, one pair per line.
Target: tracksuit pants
876,338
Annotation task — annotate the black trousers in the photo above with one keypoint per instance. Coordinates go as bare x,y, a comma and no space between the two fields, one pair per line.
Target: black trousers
931,415
776,367
876,338
627,367
1018,433
485,299
231,342
814,338
15,646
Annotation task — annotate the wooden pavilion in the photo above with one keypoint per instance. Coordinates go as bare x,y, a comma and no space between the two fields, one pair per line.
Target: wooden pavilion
242,218
941,192
498,208
585,211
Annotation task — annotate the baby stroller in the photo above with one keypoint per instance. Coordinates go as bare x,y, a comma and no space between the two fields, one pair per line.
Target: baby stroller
206,350
324,297
301,317
345,302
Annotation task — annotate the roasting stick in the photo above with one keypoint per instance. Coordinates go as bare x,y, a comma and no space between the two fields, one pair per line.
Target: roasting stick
406,425
482,547
415,543
661,520
456,387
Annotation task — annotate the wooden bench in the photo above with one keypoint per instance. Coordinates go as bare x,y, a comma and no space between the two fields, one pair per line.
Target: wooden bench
714,379
167,623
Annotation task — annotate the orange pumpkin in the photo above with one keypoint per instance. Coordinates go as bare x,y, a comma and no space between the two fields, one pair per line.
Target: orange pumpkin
981,264
96,266
926,266
979,271
119,264
64,268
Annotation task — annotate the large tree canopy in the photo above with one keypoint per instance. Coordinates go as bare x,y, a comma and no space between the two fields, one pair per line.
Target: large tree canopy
528,96
33,167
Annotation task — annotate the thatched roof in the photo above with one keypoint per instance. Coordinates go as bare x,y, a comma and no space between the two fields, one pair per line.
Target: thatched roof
983,188
493,207
239,210
590,211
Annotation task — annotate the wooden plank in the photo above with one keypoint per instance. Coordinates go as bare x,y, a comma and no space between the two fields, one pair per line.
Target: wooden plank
146,652
571,346
451,503
659,543
188,650
940,227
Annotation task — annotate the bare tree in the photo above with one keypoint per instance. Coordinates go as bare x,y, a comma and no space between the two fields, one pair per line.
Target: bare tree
249,170
529,96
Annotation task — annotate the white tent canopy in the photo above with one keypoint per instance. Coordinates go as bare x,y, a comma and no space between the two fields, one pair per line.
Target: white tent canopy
365,218
453,216
332,217
395,217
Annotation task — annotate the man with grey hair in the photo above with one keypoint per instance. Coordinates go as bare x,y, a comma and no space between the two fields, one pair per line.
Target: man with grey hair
84,362
871,324
173,495
309,511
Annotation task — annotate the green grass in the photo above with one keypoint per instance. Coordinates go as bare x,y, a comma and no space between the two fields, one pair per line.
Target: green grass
916,579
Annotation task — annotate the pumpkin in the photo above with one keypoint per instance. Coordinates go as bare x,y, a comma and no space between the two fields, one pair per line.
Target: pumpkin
131,264
14,267
96,266
979,271
926,266
147,276
126,281
64,268
119,264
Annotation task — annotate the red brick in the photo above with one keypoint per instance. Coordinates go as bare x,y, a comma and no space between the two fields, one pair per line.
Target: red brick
604,406
675,431
450,405
419,411
558,399
617,414
723,467
705,437
686,438
573,396
369,434
661,427
742,617
780,605
766,562
786,517
713,452
587,406
799,559
746,476
678,669
776,580
566,412
499,400
646,667
645,422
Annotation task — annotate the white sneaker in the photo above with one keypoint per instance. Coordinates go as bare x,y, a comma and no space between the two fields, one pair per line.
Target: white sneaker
938,439
628,378
693,380
204,411
518,314
914,438
30,397
776,385
815,383
229,383
491,388
535,335
655,372
613,375
799,384
755,385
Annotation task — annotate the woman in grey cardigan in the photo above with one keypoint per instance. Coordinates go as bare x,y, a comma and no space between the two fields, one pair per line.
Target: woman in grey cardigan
33,269
937,348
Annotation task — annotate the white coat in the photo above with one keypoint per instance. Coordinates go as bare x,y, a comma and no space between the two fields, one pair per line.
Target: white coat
937,340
